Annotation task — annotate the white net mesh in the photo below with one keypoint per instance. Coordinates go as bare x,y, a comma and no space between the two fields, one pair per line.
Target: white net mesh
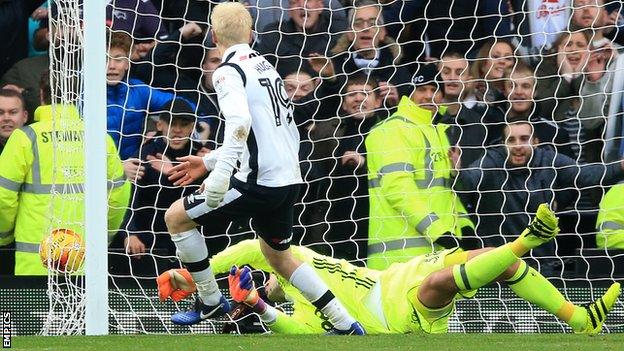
574,90
66,293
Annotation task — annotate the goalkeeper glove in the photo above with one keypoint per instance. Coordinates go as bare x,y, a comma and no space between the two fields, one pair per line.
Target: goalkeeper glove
175,283
215,186
242,287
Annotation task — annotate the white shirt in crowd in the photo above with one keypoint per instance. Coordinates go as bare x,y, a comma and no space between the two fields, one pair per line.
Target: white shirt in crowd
547,19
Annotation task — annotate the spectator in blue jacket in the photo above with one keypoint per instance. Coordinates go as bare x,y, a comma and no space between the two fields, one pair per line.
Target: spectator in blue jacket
128,102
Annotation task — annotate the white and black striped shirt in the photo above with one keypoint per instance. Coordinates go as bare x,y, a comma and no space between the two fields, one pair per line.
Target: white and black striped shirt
251,94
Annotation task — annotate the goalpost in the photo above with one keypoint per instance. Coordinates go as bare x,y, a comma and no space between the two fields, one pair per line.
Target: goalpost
96,265
86,303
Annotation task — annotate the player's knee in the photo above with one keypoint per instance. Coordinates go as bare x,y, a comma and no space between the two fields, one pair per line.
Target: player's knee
511,270
438,289
441,282
176,219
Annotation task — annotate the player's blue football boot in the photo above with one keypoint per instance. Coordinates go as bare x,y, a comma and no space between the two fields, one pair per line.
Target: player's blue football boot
201,311
356,329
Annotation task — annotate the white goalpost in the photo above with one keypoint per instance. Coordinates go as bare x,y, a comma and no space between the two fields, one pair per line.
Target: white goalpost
96,265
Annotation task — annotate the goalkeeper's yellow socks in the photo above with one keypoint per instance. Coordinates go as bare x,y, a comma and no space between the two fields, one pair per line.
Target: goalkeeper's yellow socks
484,268
533,287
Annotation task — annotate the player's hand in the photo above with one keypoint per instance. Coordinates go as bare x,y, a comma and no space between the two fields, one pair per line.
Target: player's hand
242,287
215,187
133,169
176,284
191,169
161,163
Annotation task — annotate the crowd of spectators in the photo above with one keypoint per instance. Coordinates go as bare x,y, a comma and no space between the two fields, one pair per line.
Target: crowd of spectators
423,125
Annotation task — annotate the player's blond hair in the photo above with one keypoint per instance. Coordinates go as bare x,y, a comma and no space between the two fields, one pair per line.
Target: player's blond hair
231,22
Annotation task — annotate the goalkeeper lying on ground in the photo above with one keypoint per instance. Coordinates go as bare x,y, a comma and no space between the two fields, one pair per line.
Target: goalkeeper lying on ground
406,297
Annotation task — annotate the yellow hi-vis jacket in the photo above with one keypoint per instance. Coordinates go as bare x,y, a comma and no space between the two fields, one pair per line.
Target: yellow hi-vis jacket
41,189
409,184
610,222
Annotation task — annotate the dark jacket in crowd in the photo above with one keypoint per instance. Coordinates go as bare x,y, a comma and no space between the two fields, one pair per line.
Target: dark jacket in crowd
469,131
171,64
387,70
176,65
553,93
154,193
459,26
27,74
355,132
348,191
552,136
281,39
14,16
505,198
139,18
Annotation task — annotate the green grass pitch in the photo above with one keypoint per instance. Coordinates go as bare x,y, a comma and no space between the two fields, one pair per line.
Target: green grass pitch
420,342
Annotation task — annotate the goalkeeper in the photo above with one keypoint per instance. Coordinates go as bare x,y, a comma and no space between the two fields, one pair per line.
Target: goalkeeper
407,297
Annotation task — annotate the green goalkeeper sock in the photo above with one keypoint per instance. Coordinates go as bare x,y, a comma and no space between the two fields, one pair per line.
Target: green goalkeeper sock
533,287
484,268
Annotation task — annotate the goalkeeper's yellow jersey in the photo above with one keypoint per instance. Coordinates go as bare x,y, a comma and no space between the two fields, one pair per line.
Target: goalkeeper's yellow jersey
379,300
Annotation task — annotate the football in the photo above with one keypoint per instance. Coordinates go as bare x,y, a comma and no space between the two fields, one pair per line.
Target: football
62,251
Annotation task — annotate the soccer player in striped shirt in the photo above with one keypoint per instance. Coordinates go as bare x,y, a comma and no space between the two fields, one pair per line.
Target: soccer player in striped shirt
260,134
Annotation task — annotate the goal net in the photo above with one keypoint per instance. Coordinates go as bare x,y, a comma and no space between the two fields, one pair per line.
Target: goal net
493,62
66,290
